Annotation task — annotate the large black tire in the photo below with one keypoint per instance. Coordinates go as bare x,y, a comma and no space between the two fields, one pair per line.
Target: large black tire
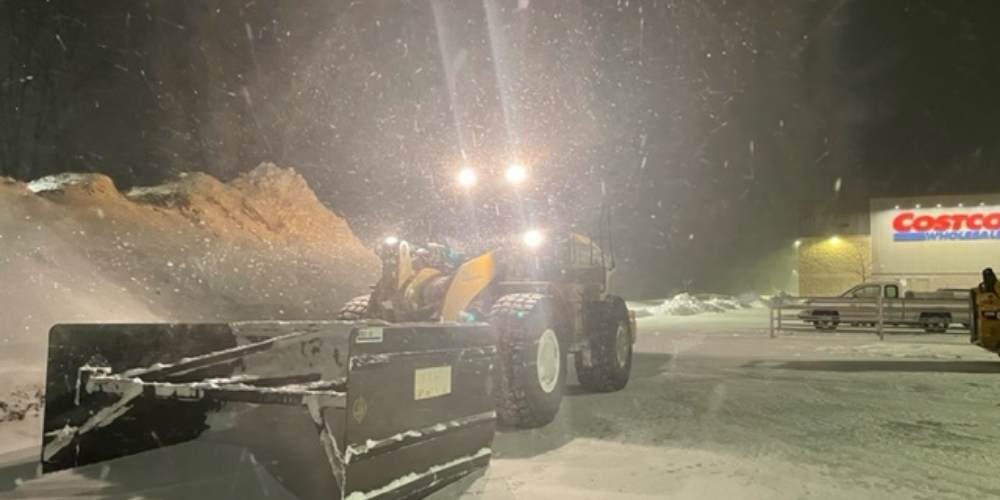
531,360
355,309
610,337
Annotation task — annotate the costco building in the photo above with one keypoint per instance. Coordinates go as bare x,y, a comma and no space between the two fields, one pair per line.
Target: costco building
928,242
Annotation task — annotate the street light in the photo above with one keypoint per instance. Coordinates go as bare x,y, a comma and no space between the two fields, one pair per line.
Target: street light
516,173
467,177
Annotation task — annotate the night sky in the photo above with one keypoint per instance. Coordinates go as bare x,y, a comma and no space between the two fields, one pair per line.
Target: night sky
705,124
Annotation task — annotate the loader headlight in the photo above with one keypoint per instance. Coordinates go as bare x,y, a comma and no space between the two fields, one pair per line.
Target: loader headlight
467,178
533,238
390,241
516,174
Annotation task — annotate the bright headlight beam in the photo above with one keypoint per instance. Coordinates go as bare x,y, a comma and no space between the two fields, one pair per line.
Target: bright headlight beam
533,238
516,173
391,240
467,177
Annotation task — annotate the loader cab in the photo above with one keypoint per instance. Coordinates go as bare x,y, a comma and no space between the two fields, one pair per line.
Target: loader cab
589,260
565,256
563,259
583,261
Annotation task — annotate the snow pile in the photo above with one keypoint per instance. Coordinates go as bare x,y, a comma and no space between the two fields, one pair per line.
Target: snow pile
723,303
686,304
751,300
269,203
74,249
22,403
93,183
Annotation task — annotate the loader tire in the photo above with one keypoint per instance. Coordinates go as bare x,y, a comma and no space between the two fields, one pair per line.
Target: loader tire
354,309
610,338
531,360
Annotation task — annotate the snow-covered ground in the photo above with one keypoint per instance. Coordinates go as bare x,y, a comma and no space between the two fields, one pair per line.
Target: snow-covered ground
717,409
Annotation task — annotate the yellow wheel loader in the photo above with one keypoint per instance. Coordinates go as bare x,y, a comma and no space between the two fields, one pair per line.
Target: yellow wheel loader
396,398
545,299
986,313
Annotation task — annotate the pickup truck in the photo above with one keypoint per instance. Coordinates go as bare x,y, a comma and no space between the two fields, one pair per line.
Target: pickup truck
858,306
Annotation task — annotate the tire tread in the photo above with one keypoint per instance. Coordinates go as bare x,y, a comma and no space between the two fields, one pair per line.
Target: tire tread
510,315
602,324
355,309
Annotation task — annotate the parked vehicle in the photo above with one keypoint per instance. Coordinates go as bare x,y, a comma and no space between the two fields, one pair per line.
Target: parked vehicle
859,306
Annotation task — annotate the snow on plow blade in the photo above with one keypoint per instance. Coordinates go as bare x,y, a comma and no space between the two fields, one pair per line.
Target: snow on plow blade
332,409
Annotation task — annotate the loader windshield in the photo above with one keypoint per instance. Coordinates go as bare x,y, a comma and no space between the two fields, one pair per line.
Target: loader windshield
500,249
583,252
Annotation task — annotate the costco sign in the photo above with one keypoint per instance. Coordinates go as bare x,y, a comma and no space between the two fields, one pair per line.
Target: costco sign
910,226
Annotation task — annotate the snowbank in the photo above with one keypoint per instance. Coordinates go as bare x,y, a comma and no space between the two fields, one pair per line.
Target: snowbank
75,249
269,203
22,403
686,304
93,183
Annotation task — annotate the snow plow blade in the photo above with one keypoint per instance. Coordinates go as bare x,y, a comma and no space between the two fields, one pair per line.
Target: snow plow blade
332,409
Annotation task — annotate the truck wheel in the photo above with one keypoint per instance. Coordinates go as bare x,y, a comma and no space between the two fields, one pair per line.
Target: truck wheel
827,321
608,330
531,360
354,309
935,323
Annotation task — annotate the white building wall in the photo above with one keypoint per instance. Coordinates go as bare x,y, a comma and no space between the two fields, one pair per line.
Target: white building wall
938,257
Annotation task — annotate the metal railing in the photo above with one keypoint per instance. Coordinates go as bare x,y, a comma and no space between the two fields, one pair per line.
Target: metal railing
868,315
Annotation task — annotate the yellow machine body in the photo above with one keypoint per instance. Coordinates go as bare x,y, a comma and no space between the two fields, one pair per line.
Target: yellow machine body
986,316
471,278
418,289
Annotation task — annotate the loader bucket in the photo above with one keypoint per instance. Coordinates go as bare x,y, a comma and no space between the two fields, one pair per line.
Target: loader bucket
332,409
